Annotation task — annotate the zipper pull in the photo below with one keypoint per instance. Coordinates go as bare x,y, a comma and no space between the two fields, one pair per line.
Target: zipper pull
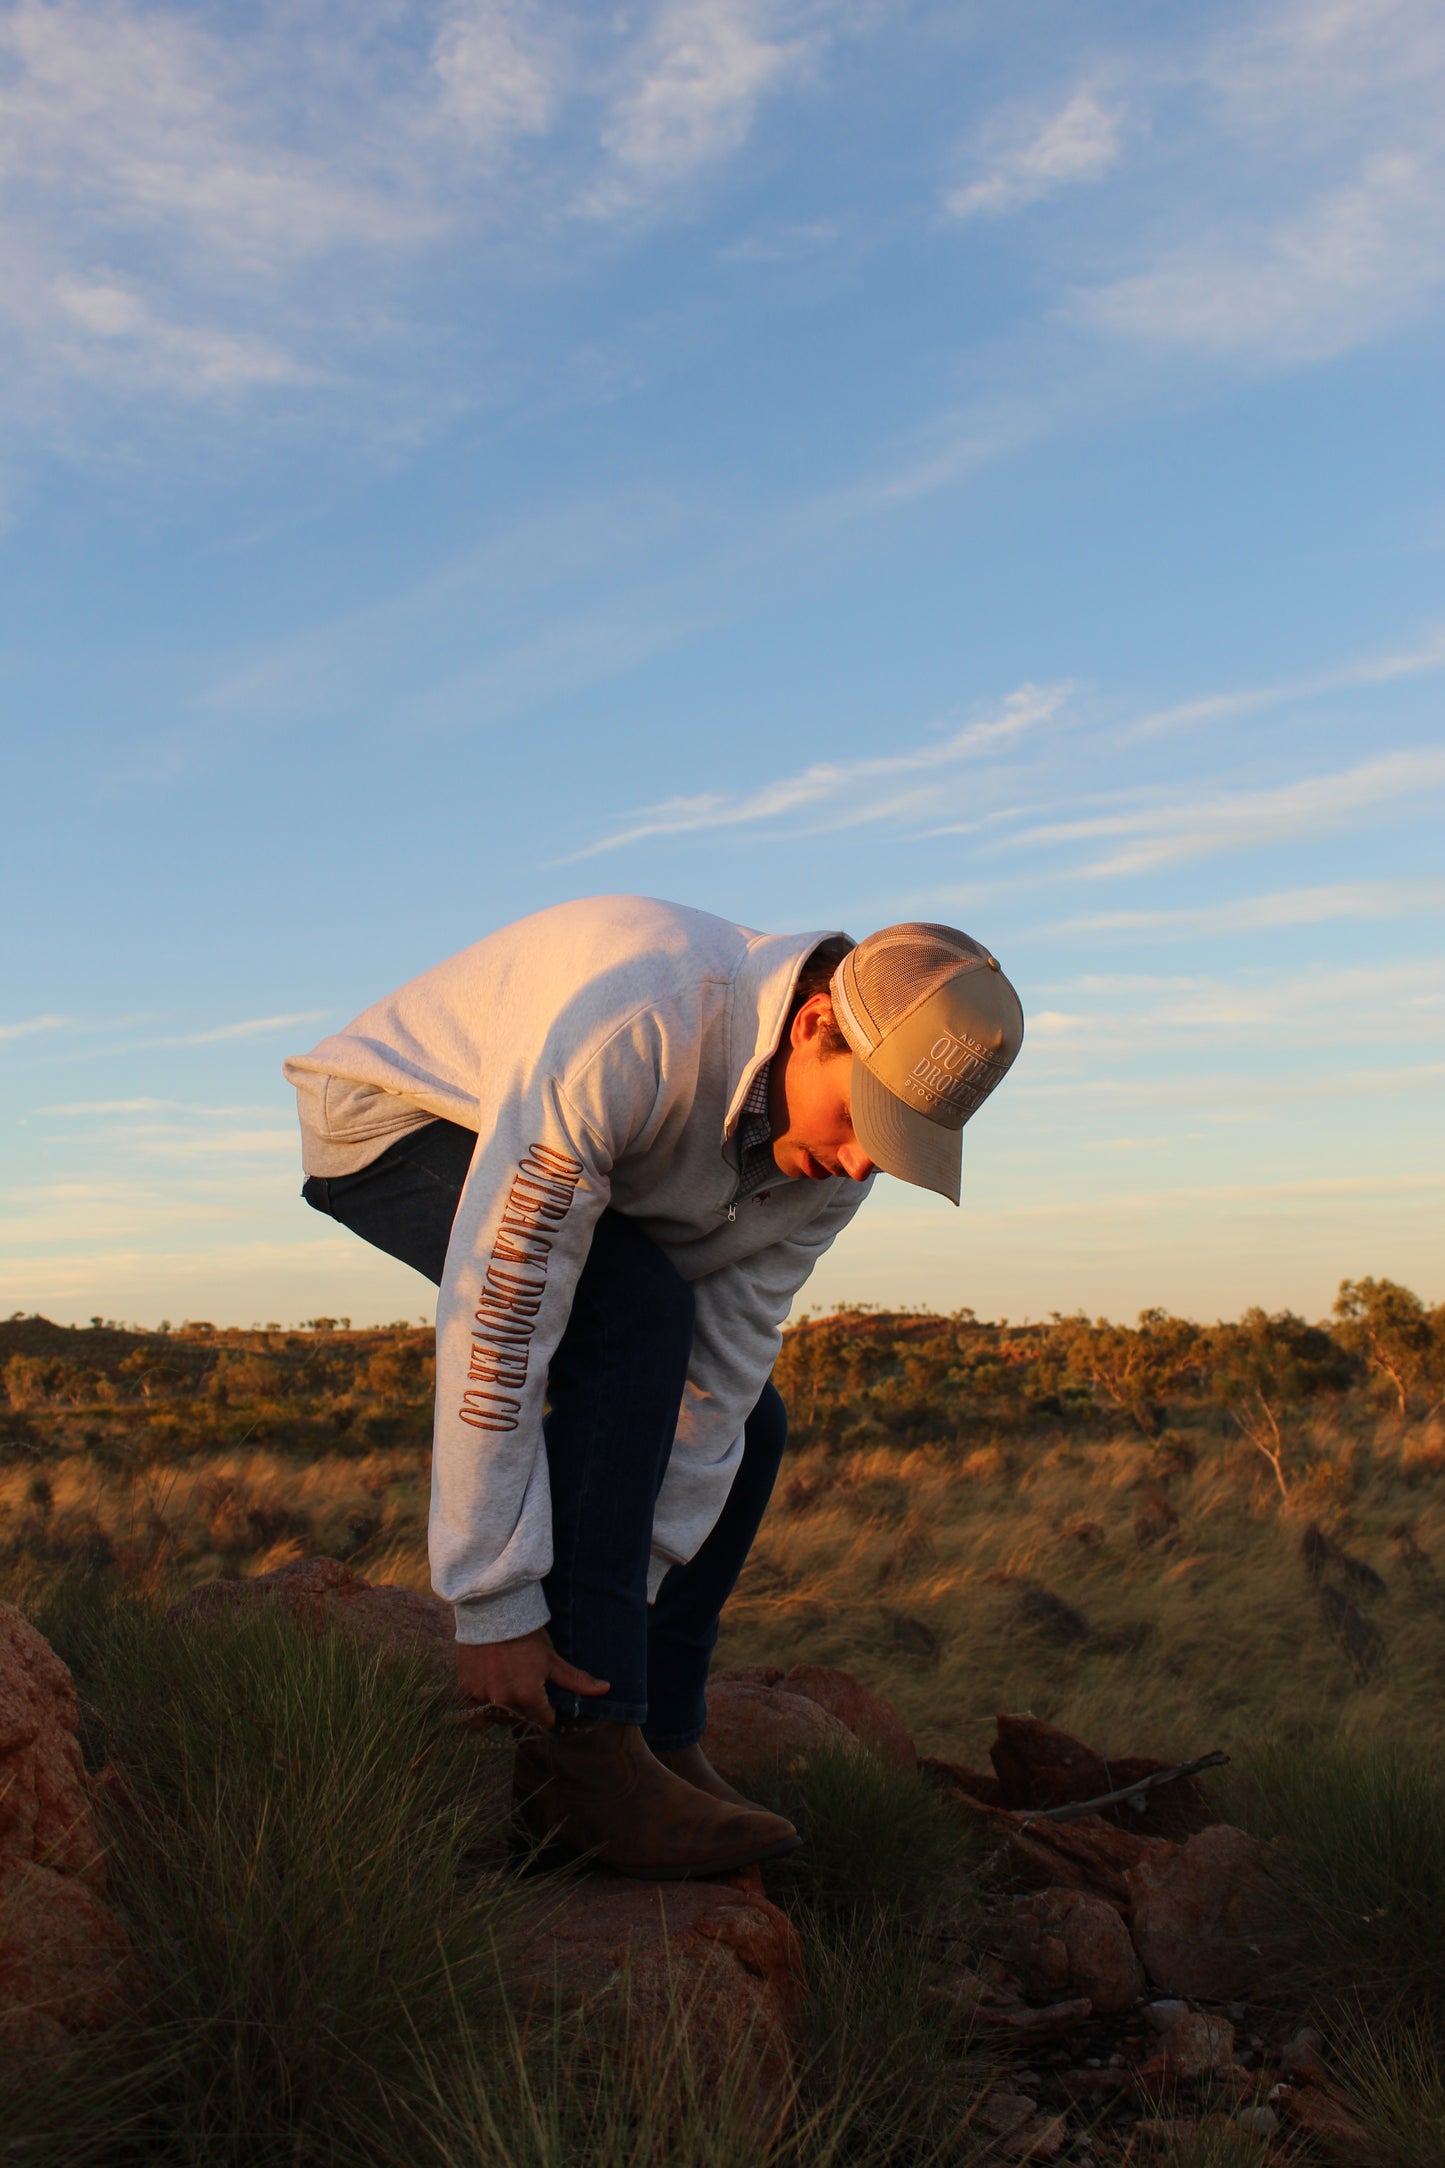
732,1212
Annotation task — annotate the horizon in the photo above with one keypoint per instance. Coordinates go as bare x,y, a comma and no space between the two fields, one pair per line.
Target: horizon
824,463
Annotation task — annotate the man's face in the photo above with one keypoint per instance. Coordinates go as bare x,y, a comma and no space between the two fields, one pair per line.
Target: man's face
808,1102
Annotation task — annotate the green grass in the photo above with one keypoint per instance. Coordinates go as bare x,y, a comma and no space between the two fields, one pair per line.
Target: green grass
1361,1847
305,1852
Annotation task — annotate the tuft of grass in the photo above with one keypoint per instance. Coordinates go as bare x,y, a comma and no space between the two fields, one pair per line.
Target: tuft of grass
1392,2073
304,1852
295,1826
882,2041
1362,1845
879,1840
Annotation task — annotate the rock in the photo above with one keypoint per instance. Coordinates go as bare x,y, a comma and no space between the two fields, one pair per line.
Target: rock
753,1728
323,1592
871,1720
1064,1942
1043,2139
717,1950
1040,1766
1002,2110
1258,2121
1162,2017
1025,2028
1089,1854
1324,2118
1198,1911
45,1807
1198,2045
1301,2059
950,1776
64,1958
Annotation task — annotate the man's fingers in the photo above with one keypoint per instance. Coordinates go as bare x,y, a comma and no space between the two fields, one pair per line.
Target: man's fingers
575,1681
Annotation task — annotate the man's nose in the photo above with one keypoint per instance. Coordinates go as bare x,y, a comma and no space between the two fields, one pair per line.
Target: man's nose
855,1163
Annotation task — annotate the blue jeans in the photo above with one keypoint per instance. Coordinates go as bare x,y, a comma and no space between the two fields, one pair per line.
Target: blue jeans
615,1385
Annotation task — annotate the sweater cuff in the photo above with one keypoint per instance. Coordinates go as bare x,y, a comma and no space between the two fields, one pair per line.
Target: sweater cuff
515,1612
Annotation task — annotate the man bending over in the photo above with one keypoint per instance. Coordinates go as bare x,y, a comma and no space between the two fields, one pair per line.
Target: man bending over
618,1135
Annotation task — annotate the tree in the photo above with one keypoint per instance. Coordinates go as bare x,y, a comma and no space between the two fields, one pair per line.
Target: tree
1265,1369
1132,1369
1402,1341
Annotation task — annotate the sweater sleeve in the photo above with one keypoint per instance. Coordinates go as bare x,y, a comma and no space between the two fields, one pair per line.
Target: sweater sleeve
536,1188
740,1310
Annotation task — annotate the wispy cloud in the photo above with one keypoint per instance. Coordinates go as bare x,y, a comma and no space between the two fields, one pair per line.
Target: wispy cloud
695,83
251,1027
843,794
1200,826
1024,159
1358,261
501,67
32,1024
1386,669
1254,914
1337,115
152,1106
1118,1016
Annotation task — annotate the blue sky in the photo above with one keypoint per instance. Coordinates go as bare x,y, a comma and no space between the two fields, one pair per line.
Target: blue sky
827,463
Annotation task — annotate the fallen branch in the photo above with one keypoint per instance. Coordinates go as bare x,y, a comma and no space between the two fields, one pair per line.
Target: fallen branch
1081,1807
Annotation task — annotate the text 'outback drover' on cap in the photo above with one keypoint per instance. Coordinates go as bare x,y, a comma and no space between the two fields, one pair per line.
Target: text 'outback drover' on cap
934,1025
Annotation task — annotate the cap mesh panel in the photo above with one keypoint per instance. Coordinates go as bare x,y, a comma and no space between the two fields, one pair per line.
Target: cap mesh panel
893,971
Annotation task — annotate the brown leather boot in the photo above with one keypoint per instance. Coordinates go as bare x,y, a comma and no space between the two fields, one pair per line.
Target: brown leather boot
692,1765
596,1788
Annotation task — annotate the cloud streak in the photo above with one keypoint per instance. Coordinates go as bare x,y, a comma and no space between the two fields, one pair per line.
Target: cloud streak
1078,143
1198,826
28,1028
841,794
1256,914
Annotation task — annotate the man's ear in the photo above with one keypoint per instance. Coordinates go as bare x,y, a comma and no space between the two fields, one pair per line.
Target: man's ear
808,1021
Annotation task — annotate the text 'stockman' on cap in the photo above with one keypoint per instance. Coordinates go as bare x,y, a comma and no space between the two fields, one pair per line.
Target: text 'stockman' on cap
934,1025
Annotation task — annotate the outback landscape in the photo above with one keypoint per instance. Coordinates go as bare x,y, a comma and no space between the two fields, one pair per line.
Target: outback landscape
1138,1546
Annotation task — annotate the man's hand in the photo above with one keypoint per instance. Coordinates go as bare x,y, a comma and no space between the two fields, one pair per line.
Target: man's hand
512,1676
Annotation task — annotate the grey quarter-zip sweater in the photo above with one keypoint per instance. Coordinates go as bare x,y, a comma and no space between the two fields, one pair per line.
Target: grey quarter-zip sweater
602,1050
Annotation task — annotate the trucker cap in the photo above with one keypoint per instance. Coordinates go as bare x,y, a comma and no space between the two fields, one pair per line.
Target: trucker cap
934,1025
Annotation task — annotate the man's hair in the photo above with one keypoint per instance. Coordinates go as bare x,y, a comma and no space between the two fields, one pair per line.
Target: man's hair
816,977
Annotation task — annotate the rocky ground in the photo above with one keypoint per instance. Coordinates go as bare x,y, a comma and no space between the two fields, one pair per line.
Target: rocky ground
1122,1986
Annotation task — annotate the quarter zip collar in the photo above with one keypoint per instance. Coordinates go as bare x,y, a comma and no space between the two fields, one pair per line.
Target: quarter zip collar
762,994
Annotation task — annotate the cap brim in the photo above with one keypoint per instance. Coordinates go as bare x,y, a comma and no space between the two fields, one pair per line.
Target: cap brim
902,1142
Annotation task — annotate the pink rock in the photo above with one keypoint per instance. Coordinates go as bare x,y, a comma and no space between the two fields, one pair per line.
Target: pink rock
717,1951
1064,1942
755,1728
64,1958
867,1715
324,1592
1198,1912
749,1675
45,1809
